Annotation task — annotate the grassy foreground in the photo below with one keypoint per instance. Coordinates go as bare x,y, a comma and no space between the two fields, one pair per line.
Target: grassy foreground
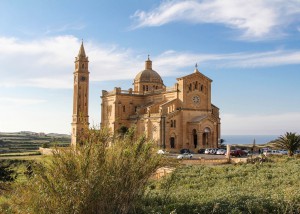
272,187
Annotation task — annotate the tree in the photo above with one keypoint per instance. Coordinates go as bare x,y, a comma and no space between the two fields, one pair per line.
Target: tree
93,177
221,142
123,130
290,141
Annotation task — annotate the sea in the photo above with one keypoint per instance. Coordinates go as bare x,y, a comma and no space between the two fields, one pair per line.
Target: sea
248,139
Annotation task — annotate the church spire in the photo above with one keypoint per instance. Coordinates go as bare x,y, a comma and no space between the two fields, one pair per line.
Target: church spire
81,52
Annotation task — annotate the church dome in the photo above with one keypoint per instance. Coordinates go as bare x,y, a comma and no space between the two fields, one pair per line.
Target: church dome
148,75
148,79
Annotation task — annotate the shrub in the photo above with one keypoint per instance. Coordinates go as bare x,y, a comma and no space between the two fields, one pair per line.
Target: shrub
92,178
46,145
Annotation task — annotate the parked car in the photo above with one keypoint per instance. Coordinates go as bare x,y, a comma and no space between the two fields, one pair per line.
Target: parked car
213,151
246,150
272,152
283,151
161,152
207,151
237,153
182,151
201,151
221,152
210,151
185,156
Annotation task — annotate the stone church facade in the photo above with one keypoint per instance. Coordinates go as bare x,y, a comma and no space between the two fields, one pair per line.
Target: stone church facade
175,117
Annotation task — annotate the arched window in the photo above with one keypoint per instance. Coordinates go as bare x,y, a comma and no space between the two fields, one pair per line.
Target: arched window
201,88
143,88
196,85
82,65
124,109
172,123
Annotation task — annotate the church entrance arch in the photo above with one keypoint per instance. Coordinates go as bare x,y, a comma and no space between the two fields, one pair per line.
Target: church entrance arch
172,142
195,138
206,136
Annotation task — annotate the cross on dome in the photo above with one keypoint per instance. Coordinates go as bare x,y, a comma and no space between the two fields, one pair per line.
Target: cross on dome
196,68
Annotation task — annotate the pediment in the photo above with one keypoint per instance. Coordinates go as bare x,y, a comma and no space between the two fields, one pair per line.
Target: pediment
195,75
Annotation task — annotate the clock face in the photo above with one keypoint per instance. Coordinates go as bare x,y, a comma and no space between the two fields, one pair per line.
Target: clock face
82,78
196,99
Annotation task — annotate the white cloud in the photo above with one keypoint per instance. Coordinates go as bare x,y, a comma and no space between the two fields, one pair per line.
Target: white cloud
175,61
49,62
20,101
64,28
256,19
275,124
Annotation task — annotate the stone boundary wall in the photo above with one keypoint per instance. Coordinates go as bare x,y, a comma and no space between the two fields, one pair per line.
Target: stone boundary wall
162,172
214,161
46,151
238,160
205,161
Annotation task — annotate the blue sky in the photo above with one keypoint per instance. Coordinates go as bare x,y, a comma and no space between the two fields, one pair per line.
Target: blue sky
250,49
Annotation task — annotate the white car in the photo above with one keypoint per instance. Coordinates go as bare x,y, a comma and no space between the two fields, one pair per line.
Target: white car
210,151
207,151
161,152
283,151
185,156
272,152
221,151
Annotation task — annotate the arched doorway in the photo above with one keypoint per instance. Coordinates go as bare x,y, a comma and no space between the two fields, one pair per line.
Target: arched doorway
195,138
206,136
172,142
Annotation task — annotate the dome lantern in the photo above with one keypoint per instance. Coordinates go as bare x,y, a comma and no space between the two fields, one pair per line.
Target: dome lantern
148,79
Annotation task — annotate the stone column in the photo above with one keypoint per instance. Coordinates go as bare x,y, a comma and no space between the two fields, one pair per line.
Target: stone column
228,153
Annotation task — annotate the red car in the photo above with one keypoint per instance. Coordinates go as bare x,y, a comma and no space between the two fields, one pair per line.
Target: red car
237,153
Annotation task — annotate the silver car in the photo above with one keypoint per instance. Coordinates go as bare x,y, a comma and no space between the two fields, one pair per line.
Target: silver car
221,152
185,156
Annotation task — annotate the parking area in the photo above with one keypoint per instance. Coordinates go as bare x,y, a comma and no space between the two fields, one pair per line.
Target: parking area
197,156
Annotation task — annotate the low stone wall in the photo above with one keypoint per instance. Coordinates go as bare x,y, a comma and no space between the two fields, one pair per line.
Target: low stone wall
204,161
162,172
238,160
46,151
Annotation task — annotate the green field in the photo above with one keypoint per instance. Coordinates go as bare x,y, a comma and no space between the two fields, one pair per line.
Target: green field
28,143
271,187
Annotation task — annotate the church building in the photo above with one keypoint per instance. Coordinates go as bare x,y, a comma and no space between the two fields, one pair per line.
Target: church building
181,116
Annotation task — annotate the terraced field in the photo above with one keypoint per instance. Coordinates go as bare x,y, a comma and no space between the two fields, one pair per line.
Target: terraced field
29,142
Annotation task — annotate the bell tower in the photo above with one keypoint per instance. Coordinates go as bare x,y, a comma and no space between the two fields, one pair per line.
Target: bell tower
80,118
